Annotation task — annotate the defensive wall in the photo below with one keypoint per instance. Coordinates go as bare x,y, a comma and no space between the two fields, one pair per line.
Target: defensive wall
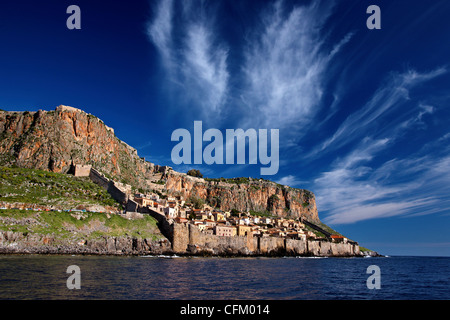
164,225
317,228
188,239
119,191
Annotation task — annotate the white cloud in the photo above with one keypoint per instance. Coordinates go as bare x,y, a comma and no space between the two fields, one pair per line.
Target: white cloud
205,68
284,70
377,210
385,101
354,191
159,31
289,180
286,65
445,137
196,63
358,187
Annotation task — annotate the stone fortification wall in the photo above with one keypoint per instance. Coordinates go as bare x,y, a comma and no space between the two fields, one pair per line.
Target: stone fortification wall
118,191
326,248
168,229
271,245
180,237
199,242
188,239
68,108
132,206
98,178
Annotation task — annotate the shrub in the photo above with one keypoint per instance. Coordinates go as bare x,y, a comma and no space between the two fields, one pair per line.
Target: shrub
195,173
234,213
196,202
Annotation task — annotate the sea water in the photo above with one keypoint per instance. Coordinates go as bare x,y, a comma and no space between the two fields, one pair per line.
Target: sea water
197,278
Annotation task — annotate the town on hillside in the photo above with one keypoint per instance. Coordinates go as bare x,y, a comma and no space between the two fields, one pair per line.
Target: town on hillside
231,223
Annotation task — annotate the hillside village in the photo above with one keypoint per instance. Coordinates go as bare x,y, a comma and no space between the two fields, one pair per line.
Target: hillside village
207,219
230,224
190,210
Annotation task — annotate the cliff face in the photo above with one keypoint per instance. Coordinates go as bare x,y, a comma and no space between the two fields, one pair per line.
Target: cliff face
17,242
53,140
256,195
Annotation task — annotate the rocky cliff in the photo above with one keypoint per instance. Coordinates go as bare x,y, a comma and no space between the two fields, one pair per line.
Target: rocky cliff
54,140
253,194
20,243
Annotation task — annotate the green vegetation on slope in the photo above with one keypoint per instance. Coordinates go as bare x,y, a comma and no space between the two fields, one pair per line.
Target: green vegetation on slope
41,187
76,226
64,192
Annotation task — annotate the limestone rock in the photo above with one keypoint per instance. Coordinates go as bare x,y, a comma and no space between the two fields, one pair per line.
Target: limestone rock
253,195
54,140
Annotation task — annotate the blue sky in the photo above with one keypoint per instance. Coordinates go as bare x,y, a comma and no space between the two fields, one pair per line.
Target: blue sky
363,114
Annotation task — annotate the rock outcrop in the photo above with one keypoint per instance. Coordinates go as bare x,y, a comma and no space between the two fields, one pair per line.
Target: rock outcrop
55,140
18,242
193,242
254,194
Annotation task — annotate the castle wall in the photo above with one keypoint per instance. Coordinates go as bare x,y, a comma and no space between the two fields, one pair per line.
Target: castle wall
180,238
118,191
132,206
271,245
296,247
98,178
168,229
117,194
188,239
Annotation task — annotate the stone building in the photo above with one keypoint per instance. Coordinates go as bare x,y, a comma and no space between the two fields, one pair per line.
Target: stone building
224,231
243,230
82,170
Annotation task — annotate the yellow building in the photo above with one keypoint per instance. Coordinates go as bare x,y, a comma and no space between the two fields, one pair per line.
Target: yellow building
201,226
218,216
143,201
243,230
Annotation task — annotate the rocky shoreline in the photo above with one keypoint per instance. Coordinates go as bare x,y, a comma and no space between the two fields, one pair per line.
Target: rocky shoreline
18,243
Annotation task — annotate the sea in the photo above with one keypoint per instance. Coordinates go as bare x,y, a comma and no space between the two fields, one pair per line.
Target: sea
56,277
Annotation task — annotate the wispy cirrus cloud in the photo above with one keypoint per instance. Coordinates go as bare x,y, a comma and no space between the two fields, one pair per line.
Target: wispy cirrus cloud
282,73
371,187
389,98
204,68
159,31
356,189
193,57
285,65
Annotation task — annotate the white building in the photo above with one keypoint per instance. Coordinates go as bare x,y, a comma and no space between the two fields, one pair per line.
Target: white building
170,212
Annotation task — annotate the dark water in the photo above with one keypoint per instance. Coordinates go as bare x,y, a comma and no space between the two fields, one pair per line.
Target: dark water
45,277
